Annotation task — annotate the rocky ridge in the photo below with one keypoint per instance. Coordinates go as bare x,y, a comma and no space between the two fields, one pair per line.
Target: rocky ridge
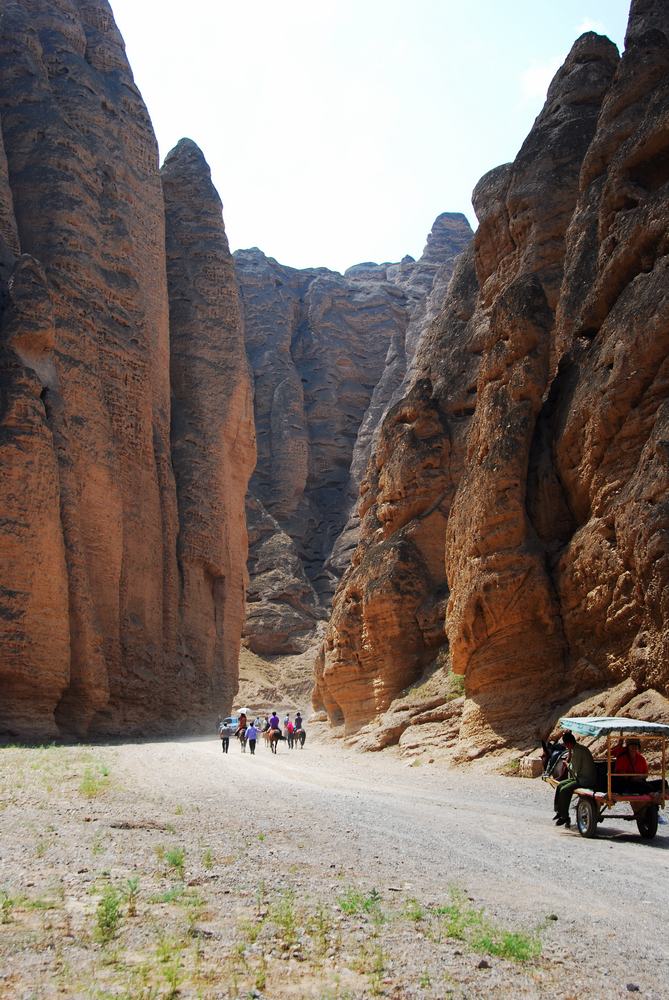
327,351
100,628
514,513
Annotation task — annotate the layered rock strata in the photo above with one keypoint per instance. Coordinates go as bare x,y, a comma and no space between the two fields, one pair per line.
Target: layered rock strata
213,437
520,486
327,352
94,631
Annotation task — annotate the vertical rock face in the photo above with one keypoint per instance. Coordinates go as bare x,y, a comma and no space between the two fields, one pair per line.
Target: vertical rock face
519,487
90,588
327,353
503,620
387,619
608,414
213,440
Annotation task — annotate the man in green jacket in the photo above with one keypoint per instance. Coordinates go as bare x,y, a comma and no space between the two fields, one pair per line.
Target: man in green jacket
582,774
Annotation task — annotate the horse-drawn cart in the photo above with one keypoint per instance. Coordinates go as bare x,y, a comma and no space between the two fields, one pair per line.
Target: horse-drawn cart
592,803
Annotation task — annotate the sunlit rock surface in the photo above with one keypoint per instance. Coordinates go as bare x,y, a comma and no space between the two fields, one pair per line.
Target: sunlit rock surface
96,624
520,485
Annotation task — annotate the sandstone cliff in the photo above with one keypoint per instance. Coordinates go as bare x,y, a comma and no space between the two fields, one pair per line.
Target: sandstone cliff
327,352
513,513
213,437
94,630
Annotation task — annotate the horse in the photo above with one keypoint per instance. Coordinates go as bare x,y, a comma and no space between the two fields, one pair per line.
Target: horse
554,760
274,737
300,736
241,736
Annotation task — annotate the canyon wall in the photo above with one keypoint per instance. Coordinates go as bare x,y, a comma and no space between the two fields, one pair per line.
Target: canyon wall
327,352
213,437
98,627
514,511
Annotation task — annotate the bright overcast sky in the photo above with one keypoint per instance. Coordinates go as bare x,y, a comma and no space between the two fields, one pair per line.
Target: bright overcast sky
337,131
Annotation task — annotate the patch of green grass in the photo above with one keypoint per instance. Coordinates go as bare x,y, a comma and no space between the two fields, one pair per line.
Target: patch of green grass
107,915
456,684
320,928
40,903
98,846
465,922
6,907
261,837
511,768
353,901
414,911
282,915
514,945
41,847
207,859
95,781
168,953
177,894
260,980
175,858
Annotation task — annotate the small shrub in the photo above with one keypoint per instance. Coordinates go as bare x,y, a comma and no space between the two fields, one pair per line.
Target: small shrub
456,684
261,974
6,906
130,894
175,858
107,915
282,916
207,859
353,901
95,781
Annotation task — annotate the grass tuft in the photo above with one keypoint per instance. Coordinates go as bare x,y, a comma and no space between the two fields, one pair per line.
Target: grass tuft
107,915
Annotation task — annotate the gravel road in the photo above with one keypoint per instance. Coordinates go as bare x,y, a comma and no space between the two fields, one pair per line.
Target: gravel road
313,821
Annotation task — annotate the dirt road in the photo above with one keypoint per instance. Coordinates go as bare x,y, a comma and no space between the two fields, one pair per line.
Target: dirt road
401,881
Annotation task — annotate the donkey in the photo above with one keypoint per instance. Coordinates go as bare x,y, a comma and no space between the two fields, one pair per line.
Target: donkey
554,759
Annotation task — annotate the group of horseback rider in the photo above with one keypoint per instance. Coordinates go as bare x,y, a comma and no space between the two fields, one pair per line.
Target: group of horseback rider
248,732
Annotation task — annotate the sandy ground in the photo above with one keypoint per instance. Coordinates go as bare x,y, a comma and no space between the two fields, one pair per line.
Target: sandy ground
317,873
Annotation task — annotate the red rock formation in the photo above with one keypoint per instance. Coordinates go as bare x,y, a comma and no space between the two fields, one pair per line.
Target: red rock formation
387,619
547,484
213,438
608,414
90,601
327,353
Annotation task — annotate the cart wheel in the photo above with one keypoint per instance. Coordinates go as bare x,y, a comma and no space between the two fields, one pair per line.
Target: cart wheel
586,818
647,822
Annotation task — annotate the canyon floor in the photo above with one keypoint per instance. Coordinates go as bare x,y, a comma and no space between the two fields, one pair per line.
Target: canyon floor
167,869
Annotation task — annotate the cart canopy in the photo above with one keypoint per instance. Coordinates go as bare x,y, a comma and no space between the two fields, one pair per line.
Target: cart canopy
592,725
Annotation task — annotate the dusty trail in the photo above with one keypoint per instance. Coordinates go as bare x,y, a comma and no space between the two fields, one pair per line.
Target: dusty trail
313,823
426,829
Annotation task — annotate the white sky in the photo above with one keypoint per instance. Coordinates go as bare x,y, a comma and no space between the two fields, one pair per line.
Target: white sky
337,131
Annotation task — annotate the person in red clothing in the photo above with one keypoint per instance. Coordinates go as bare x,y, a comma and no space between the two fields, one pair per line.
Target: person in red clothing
631,770
631,767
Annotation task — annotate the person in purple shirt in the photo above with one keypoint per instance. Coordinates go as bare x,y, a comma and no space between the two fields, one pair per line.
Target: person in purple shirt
274,721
